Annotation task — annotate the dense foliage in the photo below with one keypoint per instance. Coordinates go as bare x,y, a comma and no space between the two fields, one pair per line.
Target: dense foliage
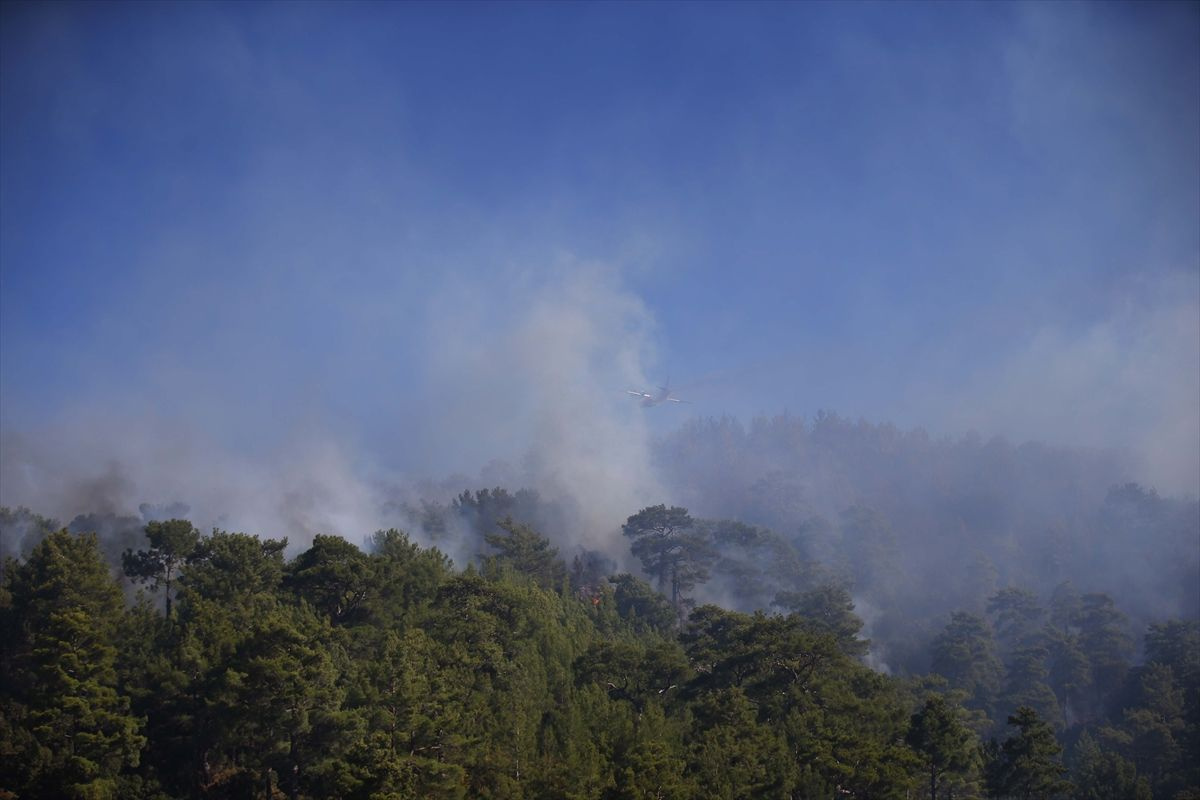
386,672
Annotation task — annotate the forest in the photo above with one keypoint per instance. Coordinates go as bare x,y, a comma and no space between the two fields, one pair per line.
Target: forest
826,609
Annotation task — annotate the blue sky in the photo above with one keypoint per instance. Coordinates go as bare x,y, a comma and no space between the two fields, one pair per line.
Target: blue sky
260,221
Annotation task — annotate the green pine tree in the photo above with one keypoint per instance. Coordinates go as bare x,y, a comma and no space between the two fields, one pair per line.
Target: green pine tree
172,543
1028,765
77,721
942,741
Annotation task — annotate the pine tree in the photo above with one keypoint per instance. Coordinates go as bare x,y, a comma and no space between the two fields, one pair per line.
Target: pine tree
1017,615
964,654
172,543
334,576
66,606
1028,763
652,766
829,609
412,721
942,740
528,552
640,606
733,757
671,550
276,700
405,578
1068,673
1104,775
228,591
1105,643
233,569
1025,685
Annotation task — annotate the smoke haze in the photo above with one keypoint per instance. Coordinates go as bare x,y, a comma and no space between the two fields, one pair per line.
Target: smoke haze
531,375
304,271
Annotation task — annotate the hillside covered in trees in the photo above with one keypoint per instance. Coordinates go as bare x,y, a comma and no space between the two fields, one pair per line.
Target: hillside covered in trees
379,381
918,527
146,658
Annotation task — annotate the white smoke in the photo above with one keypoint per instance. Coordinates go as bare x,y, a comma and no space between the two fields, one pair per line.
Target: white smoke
545,382
532,368
1129,381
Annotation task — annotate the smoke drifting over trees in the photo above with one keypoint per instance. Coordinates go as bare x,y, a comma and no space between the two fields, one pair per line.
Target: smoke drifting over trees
911,526
785,511
687,583
915,526
317,332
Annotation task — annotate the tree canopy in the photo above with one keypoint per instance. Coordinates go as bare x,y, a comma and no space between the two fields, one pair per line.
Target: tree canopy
386,672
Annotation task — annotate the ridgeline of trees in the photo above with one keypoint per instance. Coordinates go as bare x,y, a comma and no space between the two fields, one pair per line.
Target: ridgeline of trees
387,673
841,610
